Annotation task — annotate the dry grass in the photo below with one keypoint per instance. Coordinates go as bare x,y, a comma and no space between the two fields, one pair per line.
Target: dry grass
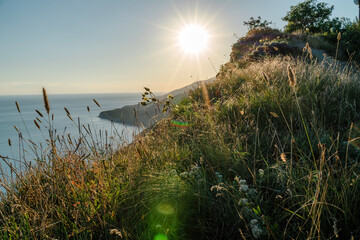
257,158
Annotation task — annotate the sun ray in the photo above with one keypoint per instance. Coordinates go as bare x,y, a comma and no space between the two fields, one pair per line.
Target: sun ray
199,65
200,40
180,16
176,70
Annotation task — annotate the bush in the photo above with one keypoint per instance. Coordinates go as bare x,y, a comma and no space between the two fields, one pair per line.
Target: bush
257,23
308,16
351,40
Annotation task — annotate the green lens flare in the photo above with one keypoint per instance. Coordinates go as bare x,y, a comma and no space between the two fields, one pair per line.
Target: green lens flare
179,123
160,237
165,208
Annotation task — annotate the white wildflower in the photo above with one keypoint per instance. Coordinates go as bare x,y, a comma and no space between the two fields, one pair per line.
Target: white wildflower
261,173
336,231
243,202
254,223
244,188
242,182
256,231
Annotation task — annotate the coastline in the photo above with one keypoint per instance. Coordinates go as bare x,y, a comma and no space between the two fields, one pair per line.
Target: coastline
138,115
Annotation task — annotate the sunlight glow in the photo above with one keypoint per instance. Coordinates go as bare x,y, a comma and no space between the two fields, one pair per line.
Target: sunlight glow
193,39
165,209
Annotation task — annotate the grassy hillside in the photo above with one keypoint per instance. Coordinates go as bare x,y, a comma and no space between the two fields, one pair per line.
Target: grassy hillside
269,150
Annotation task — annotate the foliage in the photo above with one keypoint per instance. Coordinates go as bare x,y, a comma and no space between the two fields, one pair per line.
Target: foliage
308,16
257,23
258,158
336,25
149,97
351,40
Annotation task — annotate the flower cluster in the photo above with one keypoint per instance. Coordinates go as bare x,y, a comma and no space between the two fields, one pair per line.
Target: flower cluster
245,191
243,202
261,173
248,198
243,185
194,172
255,228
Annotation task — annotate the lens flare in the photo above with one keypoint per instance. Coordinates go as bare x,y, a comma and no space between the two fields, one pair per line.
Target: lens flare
160,237
165,208
193,39
179,123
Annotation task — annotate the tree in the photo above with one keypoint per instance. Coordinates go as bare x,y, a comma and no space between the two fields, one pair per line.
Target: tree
256,23
308,16
338,24
351,40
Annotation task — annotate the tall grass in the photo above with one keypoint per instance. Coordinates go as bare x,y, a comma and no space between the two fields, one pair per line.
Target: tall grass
279,125
240,168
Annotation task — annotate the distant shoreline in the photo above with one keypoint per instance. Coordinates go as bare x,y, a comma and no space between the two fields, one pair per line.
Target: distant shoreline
147,115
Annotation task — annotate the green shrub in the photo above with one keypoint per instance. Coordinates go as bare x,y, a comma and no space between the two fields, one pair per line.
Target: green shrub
351,41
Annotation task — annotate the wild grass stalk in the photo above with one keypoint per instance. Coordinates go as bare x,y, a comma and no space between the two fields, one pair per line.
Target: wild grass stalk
238,168
337,46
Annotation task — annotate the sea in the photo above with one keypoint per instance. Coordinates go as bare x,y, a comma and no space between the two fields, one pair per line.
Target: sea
82,108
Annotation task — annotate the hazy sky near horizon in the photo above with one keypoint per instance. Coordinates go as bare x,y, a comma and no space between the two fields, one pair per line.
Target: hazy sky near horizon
105,46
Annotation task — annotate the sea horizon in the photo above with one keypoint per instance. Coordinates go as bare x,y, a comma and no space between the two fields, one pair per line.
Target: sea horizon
51,94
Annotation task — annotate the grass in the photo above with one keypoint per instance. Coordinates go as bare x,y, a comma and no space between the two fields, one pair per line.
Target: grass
259,158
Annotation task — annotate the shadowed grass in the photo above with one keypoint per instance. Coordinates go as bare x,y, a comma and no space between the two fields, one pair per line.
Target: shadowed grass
257,158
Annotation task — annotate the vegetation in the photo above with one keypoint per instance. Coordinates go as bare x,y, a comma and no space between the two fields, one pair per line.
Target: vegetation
257,23
313,17
351,40
309,16
269,150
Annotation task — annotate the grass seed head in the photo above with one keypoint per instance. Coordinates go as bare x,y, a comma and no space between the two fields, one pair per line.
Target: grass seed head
339,36
67,111
96,102
17,106
38,112
307,49
46,101
291,76
36,124
266,78
16,129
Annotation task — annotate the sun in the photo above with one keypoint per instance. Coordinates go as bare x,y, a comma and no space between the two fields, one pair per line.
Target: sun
193,39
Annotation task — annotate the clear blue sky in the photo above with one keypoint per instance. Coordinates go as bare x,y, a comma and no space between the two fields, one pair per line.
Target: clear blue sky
80,46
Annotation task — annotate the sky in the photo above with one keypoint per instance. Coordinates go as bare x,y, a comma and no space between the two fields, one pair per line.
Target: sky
114,46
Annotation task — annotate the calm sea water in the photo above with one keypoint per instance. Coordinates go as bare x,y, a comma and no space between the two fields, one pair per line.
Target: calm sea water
76,104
